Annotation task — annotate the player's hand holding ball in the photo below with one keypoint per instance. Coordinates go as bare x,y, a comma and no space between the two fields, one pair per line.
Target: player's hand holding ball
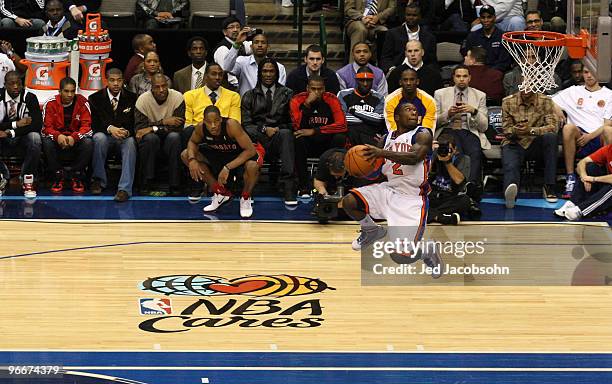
364,161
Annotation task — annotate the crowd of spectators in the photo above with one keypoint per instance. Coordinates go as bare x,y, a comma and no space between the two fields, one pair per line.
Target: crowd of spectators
295,115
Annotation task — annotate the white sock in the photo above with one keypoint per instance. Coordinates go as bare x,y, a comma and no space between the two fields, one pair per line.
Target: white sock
367,222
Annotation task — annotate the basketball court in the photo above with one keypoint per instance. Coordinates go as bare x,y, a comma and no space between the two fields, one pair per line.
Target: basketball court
154,291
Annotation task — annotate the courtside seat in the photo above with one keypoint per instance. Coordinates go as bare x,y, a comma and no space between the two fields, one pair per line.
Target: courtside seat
118,13
208,14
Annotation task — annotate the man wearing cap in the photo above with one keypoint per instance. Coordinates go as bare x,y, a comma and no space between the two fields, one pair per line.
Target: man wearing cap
509,14
364,109
490,38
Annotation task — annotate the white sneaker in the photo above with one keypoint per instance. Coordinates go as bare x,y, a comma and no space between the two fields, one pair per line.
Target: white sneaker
28,187
561,211
510,195
246,207
368,236
573,213
217,201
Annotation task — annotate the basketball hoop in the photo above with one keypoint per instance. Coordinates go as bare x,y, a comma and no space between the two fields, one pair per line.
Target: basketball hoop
538,53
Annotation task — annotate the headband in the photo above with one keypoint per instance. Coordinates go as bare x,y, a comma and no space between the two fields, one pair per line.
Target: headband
364,75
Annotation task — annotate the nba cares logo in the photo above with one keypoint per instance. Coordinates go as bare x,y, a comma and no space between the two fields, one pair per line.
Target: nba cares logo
42,73
94,70
155,307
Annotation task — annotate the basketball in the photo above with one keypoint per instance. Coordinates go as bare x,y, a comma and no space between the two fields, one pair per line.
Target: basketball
356,164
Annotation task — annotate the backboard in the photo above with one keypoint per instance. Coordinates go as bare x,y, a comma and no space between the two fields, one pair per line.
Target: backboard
593,18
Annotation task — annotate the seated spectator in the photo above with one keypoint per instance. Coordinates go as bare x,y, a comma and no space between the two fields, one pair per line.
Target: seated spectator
9,61
364,109
455,15
158,120
245,68
153,14
318,124
533,21
410,93
67,131
27,14
508,15
554,12
429,75
212,93
484,78
218,150
462,113
575,78
79,8
530,129
141,44
231,27
20,126
112,121
589,109
265,117
364,19
488,37
58,24
361,58
141,82
514,78
192,76
592,195
448,203
393,51
314,64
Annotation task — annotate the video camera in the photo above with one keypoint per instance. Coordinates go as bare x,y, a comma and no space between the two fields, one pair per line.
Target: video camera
326,206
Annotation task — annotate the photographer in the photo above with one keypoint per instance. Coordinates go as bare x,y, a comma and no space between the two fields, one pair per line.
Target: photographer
329,183
447,199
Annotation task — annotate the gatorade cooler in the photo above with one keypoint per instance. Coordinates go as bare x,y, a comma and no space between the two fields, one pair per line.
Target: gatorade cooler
94,47
47,59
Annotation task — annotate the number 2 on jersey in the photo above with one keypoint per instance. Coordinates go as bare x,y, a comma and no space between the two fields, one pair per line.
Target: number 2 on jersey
396,169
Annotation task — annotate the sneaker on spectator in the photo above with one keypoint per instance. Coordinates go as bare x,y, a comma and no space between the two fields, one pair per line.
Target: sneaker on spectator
77,185
29,192
449,218
246,207
574,213
290,194
549,193
95,187
58,184
510,195
570,182
561,211
368,236
217,201
196,192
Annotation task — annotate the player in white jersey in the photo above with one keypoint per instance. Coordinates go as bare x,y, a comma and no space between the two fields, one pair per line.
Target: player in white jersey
402,199
589,126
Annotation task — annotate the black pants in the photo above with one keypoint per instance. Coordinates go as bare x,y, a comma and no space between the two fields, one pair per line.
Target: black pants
30,146
439,205
79,155
282,146
513,156
148,150
469,144
599,199
314,146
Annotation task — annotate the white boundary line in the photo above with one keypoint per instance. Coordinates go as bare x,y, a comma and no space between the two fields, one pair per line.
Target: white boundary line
305,351
398,369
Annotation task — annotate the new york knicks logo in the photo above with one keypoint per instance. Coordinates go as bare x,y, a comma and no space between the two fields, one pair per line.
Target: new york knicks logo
155,307
252,285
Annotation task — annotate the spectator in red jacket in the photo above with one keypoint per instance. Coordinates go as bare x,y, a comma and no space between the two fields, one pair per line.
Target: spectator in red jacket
67,132
484,78
318,124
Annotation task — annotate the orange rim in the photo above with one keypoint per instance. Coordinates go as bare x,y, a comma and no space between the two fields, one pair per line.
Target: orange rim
541,38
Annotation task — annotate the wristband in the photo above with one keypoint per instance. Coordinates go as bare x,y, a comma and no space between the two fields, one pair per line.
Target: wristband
226,167
237,45
155,128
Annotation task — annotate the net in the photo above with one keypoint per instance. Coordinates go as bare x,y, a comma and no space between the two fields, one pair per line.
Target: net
537,54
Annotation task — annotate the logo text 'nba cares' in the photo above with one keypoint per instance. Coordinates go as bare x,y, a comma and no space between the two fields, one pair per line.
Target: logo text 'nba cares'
254,312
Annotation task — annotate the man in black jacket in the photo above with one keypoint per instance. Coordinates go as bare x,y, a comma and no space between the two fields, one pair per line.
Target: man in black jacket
265,117
396,39
429,75
79,8
314,64
25,14
112,120
20,125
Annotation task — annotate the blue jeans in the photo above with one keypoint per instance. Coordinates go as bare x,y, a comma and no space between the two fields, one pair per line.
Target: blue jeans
102,143
32,148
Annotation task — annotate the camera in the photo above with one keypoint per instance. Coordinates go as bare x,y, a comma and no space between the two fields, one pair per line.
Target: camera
253,31
443,149
326,207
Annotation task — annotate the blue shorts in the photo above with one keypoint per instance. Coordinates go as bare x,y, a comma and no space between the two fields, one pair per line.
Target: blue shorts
590,147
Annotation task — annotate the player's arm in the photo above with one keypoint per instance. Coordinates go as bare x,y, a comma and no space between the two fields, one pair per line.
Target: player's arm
417,152
235,131
194,142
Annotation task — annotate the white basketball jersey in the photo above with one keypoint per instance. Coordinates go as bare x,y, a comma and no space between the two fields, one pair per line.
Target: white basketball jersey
406,179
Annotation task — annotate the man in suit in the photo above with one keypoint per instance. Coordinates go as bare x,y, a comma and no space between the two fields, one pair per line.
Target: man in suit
112,115
462,112
20,125
265,117
58,24
364,18
314,64
396,39
192,76
141,44
429,75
